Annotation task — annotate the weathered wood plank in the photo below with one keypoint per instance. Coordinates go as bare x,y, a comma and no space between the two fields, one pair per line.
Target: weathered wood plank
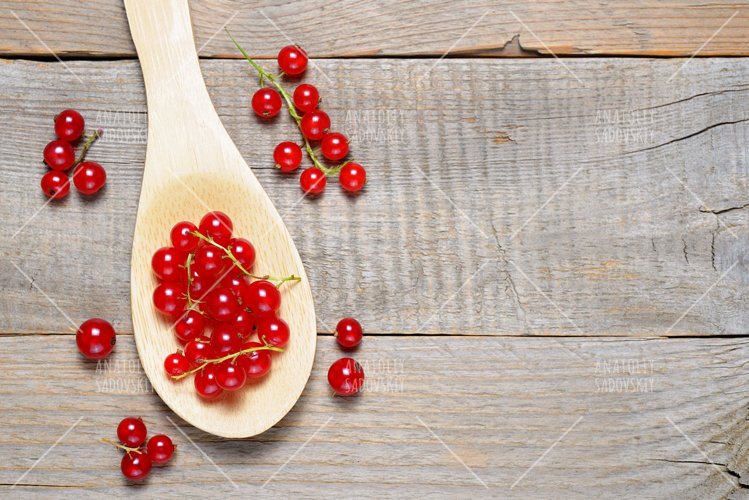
390,27
505,197
498,404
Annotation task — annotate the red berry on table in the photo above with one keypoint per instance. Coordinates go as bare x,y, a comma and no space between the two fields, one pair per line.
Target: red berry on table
306,97
243,251
348,333
346,377
198,351
160,449
313,181
315,124
221,304
89,177
256,363
217,225
230,376
273,331
176,364
209,261
352,177
136,465
288,156
181,238
189,326
266,103
55,185
132,432
167,264
262,297
292,60
225,340
69,125
95,338
205,382
59,155
170,298
334,146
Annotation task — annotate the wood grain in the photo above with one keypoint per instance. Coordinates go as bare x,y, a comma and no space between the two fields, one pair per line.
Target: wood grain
504,196
498,404
392,28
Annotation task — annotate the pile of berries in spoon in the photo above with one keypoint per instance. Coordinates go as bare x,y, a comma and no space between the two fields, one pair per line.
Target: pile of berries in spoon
206,283
313,123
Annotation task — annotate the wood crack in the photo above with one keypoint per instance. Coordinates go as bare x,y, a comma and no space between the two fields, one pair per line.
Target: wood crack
679,139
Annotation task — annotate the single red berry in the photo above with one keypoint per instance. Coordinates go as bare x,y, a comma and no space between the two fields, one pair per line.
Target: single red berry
55,185
132,432
262,297
69,125
89,177
208,261
235,282
292,60
266,103
221,304
315,124
167,264
198,351
313,180
348,333
352,177
306,97
95,338
160,448
243,323
346,377
181,238
189,326
243,251
288,156
256,364
218,226
170,298
225,340
334,146
230,376
59,155
273,331
176,364
205,382
136,465
200,286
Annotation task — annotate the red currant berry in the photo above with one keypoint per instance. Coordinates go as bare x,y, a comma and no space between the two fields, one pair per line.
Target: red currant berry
348,333
176,364
208,261
200,286
181,238
160,449
205,382
230,376
225,340
89,177
266,103
69,125
313,181
243,322
236,283
256,364
273,331
189,326
55,185
346,377
262,297
167,264
132,432
198,351
292,60
306,97
243,251
221,304
59,155
352,177
334,146
136,465
288,156
170,298
315,124
95,338
218,226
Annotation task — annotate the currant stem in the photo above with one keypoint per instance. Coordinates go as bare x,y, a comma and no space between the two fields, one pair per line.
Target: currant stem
128,449
232,357
86,145
191,304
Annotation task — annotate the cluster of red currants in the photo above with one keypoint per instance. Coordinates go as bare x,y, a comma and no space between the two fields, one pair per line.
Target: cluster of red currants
140,456
346,376
59,155
313,123
205,282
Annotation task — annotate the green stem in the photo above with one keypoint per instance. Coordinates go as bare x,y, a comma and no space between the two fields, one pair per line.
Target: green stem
227,357
128,449
86,145
192,305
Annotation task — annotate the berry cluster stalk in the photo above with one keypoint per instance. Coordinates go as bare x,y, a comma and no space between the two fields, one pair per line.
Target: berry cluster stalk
231,357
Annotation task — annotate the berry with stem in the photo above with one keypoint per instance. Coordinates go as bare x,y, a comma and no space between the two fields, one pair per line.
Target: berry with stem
225,340
243,252
217,226
136,465
59,155
198,352
168,263
221,304
230,376
292,60
89,177
182,237
249,348
132,432
189,326
255,361
205,382
69,125
306,97
262,297
334,146
352,177
170,298
288,156
55,185
266,103
313,180
176,364
315,124
273,331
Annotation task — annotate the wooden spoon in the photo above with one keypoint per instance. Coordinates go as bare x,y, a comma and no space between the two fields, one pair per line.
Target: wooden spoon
192,167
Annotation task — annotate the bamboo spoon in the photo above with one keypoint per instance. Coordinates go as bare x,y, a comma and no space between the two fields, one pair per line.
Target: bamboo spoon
192,166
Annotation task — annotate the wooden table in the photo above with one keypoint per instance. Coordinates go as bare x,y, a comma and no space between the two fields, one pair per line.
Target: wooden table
549,259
